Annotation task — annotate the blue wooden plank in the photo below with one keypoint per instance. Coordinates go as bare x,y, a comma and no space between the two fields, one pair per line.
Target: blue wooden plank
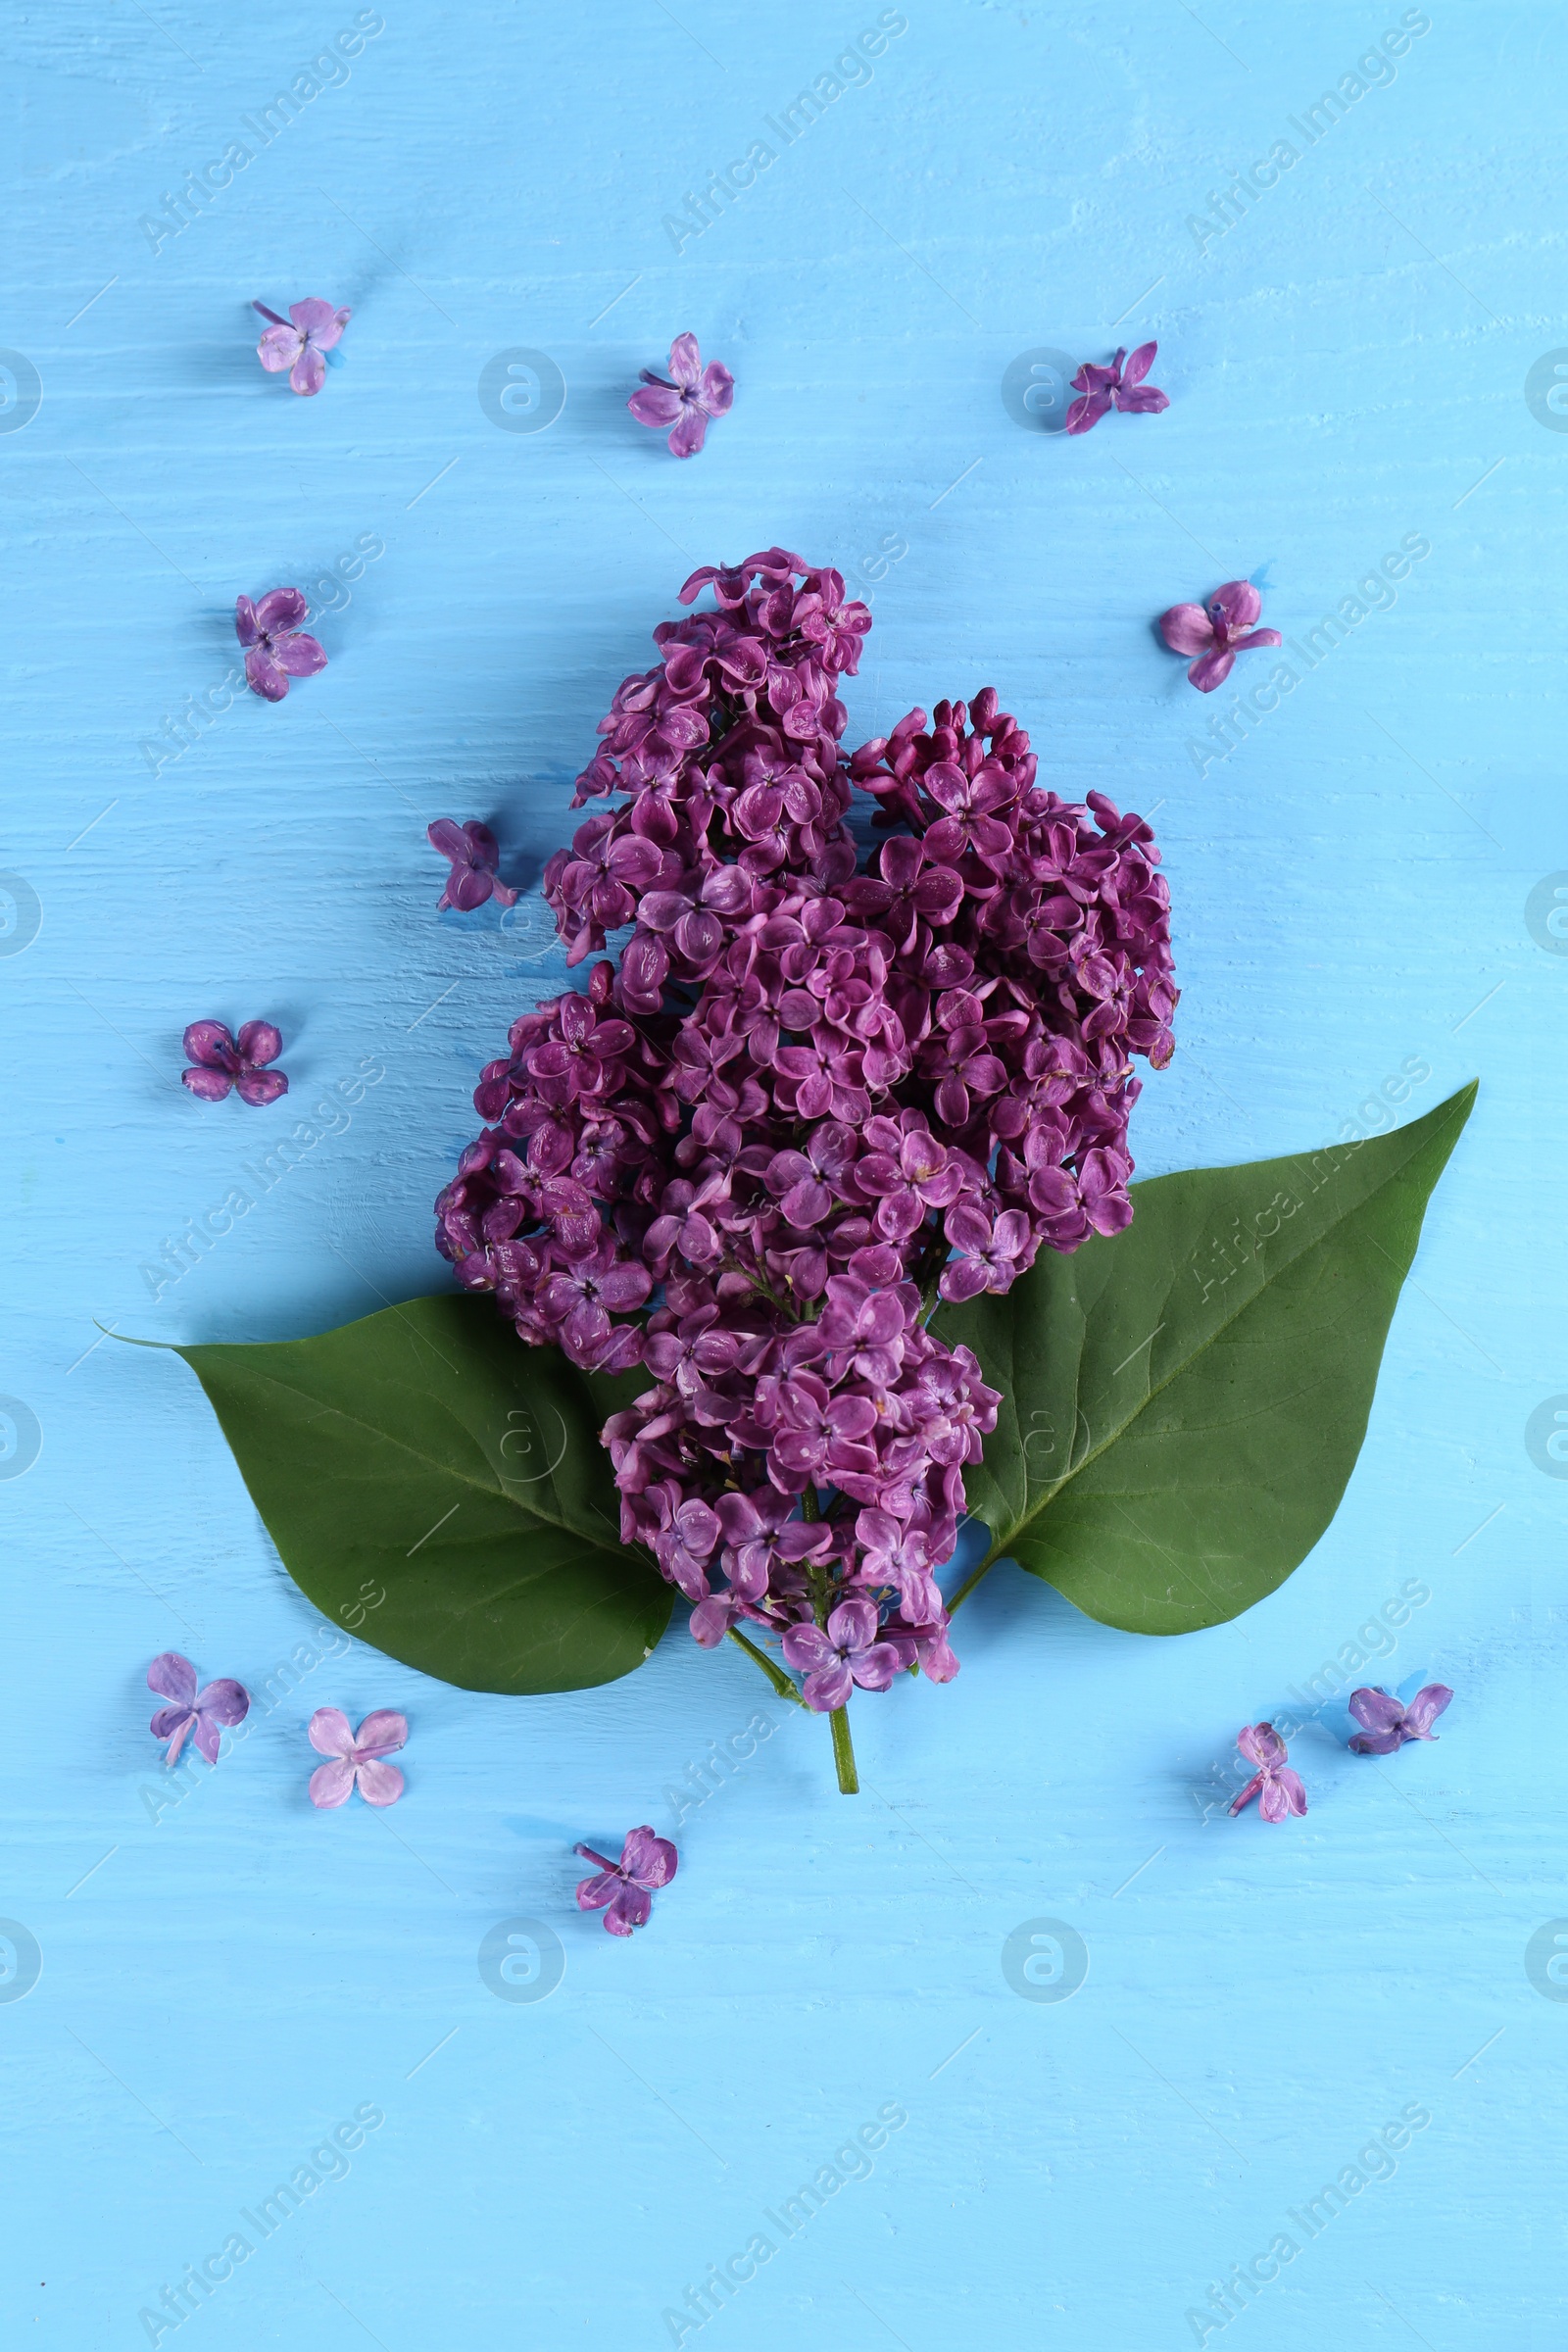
1363,885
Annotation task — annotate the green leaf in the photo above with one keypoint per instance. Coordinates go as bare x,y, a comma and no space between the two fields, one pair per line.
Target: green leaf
1183,1404
425,1455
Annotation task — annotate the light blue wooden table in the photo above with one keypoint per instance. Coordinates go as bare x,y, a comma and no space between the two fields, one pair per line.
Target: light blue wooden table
1367,888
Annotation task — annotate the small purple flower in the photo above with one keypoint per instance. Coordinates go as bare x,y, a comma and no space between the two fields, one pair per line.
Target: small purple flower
474,854
1276,1787
627,1886
204,1712
847,1653
1116,387
300,348
1389,1724
276,648
224,1061
357,1756
1213,634
696,394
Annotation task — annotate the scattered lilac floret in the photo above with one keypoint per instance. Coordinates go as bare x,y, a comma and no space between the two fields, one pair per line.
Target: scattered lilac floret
207,1712
474,854
276,648
1117,387
224,1061
1276,1787
623,1891
1389,1724
1214,634
301,348
696,394
357,1756
845,1653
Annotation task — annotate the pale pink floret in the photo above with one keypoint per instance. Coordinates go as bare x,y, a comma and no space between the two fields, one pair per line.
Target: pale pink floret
1276,1787
357,1756
316,329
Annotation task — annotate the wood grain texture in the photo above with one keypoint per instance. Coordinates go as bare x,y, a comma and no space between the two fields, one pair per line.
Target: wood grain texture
1363,888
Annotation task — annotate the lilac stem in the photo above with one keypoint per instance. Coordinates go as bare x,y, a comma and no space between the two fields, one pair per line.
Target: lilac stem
266,313
844,1752
969,1582
602,1860
775,1674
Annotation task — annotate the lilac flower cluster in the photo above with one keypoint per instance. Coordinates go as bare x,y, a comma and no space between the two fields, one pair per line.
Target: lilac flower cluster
814,1099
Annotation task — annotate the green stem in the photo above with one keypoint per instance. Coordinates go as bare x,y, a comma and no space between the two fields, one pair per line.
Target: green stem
775,1674
844,1752
969,1582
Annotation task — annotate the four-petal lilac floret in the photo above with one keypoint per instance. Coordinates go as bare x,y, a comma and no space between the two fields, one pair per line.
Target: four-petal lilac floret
357,1756
474,854
301,348
222,1061
276,648
1276,1787
623,1890
1388,1723
848,1650
1217,633
686,398
1118,386
207,1712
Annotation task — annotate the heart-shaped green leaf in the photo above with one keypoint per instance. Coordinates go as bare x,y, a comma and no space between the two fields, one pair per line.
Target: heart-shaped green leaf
441,1490
1183,1404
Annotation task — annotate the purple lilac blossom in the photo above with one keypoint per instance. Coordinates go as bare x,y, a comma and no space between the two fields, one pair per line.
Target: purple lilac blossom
1387,1724
316,329
474,854
276,648
1276,1787
224,1061
623,1891
686,399
207,1713
1117,387
811,1099
1218,633
357,1757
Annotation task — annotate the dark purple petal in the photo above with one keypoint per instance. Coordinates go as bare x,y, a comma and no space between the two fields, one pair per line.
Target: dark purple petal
263,675
300,655
225,1702
1424,1709
259,1042
281,609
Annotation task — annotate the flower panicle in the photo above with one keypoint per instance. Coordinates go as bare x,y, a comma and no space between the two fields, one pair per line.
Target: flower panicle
807,1104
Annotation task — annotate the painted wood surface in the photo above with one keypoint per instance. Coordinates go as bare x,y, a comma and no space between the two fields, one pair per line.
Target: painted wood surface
1362,347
